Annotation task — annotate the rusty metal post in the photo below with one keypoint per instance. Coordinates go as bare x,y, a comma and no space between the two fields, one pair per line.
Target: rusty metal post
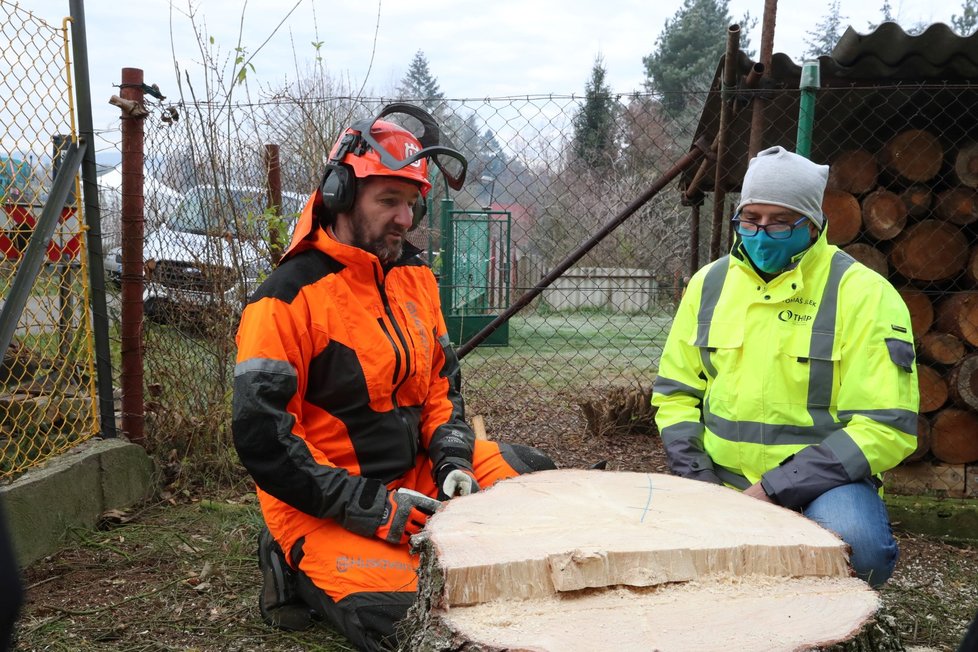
273,172
767,47
694,239
132,257
727,86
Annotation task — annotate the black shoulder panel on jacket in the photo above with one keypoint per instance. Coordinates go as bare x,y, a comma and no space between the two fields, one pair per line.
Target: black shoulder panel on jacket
287,280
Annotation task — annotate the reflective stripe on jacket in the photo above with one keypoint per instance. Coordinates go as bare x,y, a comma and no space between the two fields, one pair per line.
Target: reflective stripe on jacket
344,374
804,383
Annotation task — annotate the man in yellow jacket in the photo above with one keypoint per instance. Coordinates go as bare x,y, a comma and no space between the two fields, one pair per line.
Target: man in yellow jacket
789,372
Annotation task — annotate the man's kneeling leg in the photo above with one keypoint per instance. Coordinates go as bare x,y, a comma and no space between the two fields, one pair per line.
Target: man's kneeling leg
279,601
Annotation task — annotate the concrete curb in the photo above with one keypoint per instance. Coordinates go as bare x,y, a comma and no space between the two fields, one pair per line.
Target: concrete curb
73,490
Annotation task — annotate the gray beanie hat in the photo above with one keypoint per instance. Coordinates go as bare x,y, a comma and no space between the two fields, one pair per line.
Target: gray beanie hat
777,176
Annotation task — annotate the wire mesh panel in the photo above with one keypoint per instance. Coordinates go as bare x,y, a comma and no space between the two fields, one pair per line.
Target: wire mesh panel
47,398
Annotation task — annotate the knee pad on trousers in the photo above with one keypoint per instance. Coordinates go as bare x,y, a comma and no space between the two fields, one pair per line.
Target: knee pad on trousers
526,459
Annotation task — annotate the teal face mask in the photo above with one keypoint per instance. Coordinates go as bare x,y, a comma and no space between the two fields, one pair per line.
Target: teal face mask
770,255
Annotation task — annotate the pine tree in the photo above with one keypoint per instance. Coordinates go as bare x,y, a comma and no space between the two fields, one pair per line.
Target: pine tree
967,22
826,34
420,84
594,125
688,50
886,14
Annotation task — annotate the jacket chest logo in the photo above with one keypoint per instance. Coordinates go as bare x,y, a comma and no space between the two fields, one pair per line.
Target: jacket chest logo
797,310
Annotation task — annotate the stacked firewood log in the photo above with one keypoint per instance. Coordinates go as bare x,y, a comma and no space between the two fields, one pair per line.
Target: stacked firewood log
910,212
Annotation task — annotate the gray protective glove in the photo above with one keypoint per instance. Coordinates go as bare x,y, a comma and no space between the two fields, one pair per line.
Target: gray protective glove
455,481
406,513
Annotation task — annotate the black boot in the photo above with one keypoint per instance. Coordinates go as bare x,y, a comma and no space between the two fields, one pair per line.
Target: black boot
278,601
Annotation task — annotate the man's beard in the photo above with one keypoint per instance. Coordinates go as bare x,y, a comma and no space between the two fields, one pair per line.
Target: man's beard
378,246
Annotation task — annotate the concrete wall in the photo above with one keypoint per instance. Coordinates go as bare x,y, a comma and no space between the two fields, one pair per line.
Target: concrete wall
73,490
612,288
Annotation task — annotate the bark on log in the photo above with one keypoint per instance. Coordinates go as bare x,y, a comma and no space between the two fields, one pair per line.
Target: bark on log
942,348
915,155
923,441
954,436
596,560
843,216
971,269
966,165
962,382
957,205
930,250
884,214
958,314
921,309
933,389
853,171
918,200
869,256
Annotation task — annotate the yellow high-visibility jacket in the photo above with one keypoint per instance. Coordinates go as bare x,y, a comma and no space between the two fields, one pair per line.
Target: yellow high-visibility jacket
804,383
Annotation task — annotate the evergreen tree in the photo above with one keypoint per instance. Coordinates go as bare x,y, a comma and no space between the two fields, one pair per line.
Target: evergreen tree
822,39
886,13
967,22
688,50
420,84
594,125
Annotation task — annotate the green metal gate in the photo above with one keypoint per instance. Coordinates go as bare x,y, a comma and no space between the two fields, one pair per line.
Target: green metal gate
475,271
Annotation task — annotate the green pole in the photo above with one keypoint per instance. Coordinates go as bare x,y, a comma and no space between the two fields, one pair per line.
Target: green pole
810,82
447,284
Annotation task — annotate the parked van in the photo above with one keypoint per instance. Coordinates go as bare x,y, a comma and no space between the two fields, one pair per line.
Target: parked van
211,252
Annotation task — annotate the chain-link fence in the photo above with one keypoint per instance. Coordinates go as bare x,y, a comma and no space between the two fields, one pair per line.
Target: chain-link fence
47,384
901,199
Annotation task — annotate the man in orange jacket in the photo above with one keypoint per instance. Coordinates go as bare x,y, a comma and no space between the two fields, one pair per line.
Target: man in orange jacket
347,411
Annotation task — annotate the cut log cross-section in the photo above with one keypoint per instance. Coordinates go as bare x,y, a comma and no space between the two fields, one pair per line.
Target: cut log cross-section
942,348
957,205
966,165
930,250
575,560
853,171
923,441
884,214
921,309
962,382
958,314
843,217
954,436
933,388
869,256
918,199
915,155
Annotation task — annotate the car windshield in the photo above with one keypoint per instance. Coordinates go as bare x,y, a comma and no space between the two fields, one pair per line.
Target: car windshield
232,211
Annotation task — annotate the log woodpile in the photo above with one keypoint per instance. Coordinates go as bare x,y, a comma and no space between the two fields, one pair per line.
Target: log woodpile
573,560
910,212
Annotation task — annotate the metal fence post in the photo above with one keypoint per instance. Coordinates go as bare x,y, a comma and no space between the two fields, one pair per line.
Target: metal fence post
447,273
132,258
810,81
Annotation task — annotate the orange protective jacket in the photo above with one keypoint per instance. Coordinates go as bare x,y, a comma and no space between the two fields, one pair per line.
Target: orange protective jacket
344,375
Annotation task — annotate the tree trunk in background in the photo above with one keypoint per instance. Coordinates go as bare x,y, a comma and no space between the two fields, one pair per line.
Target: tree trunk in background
915,156
869,256
884,214
933,388
957,206
918,200
954,436
843,216
958,314
930,251
966,165
942,348
920,307
853,171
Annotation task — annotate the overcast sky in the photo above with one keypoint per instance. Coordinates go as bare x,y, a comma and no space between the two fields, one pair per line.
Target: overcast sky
475,48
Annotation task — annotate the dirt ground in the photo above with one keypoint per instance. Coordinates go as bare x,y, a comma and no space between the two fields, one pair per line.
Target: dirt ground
180,573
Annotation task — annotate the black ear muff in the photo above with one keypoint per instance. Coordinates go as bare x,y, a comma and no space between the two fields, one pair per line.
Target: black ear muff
339,189
420,210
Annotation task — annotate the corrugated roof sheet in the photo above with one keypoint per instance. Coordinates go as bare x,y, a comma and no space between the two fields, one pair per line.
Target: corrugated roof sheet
872,86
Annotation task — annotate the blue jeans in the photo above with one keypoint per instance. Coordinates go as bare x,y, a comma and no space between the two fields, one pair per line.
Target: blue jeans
857,514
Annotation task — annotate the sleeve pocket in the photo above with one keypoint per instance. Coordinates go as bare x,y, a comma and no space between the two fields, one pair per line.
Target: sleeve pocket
901,353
